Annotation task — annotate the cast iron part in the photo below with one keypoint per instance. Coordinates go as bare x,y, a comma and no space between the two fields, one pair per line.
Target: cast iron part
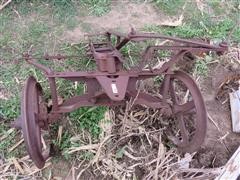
110,85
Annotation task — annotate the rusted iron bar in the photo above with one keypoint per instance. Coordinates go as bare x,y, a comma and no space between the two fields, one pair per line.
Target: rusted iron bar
112,85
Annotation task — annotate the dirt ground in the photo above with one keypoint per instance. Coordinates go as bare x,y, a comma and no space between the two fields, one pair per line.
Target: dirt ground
220,142
122,17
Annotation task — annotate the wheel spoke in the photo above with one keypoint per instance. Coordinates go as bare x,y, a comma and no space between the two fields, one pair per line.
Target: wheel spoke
189,114
184,108
183,131
165,86
173,93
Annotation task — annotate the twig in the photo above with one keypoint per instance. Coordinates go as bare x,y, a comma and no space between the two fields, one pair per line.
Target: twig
160,156
59,137
16,145
215,124
166,160
17,13
37,170
131,156
7,134
43,142
17,165
193,170
5,4
81,172
99,149
221,139
133,134
86,147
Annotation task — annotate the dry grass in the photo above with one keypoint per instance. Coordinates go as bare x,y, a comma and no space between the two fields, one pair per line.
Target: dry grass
20,168
137,148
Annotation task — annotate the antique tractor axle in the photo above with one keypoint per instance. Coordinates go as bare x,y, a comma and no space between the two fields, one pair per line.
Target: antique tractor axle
111,84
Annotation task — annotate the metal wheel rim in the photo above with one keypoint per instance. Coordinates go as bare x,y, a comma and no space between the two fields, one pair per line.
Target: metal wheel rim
201,114
29,117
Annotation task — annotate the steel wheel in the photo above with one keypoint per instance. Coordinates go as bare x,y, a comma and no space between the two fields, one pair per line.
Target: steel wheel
189,112
31,113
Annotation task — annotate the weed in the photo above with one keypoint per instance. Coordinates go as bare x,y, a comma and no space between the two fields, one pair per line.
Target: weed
158,80
8,142
65,12
34,32
9,109
201,24
185,31
98,7
65,142
218,7
120,152
88,119
221,30
131,54
38,25
201,66
87,155
170,7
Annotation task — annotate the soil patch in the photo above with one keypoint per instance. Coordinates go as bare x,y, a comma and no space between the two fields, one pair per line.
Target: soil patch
220,142
123,16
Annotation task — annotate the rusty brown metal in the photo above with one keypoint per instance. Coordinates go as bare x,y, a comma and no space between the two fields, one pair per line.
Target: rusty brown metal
183,110
112,85
32,120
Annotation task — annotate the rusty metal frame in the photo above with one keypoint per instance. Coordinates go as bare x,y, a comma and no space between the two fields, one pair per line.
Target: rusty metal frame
100,77
118,85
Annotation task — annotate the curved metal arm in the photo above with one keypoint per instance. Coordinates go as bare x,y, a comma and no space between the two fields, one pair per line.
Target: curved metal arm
145,36
133,36
32,61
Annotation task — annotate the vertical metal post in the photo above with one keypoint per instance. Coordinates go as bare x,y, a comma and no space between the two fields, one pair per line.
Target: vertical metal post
53,90
165,87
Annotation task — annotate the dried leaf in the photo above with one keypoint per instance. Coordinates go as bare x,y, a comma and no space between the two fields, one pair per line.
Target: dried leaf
184,163
120,152
173,23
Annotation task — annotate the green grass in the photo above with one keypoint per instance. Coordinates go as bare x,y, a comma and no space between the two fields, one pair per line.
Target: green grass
218,24
170,7
8,142
9,109
221,30
88,119
38,29
82,119
201,66
65,142
97,7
